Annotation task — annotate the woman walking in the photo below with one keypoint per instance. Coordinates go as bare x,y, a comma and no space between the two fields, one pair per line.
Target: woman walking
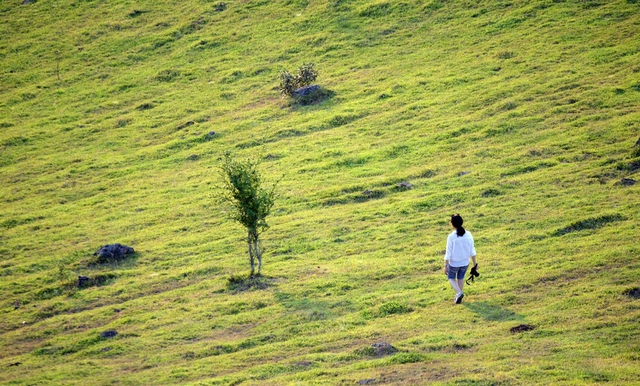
459,250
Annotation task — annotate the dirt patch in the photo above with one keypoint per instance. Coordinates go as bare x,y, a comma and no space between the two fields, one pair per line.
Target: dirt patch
521,328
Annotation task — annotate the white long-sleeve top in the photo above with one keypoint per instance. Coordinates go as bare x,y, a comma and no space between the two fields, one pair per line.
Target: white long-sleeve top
459,249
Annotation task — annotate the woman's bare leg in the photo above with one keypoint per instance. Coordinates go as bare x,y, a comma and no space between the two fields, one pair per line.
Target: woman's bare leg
455,286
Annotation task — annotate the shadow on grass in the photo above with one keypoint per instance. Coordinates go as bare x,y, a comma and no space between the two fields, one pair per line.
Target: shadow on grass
316,96
492,312
246,283
591,223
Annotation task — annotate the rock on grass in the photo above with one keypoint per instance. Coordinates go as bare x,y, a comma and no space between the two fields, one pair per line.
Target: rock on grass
113,252
521,328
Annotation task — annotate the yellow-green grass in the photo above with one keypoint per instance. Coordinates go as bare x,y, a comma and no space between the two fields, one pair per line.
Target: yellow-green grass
520,116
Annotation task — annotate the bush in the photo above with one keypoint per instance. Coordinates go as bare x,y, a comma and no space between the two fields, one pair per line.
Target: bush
307,74
288,83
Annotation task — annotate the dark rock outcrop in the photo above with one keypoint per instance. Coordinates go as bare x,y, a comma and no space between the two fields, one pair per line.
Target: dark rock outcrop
384,348
626,182
185,125
83,281
633,293
404,185
108,334
306,90
113,252
521,328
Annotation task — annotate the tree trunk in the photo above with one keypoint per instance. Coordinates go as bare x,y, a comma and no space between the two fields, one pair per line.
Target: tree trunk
258,254
251,254
254,251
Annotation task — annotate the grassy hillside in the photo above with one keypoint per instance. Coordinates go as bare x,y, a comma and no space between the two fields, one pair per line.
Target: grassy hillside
521,116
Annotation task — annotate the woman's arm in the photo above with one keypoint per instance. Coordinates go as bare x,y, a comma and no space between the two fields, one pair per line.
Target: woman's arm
447,255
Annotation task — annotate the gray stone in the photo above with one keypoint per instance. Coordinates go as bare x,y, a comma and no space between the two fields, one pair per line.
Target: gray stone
404,185
626,182
108,334
186,124
113,252
306,90
633,293
521,328
384,348
83,281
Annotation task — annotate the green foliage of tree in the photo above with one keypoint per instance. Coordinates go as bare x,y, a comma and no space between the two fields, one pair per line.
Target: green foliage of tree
249,203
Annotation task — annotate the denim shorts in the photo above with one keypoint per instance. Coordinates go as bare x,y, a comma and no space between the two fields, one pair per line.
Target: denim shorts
457,272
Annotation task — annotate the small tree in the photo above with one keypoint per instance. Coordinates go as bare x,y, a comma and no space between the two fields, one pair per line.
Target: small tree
249,202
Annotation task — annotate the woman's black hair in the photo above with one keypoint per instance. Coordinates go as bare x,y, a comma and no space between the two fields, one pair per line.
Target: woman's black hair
456,221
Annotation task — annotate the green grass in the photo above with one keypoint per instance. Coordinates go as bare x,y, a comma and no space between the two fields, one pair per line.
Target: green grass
520,116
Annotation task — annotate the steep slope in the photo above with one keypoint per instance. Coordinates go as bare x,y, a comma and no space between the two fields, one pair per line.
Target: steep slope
522,117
